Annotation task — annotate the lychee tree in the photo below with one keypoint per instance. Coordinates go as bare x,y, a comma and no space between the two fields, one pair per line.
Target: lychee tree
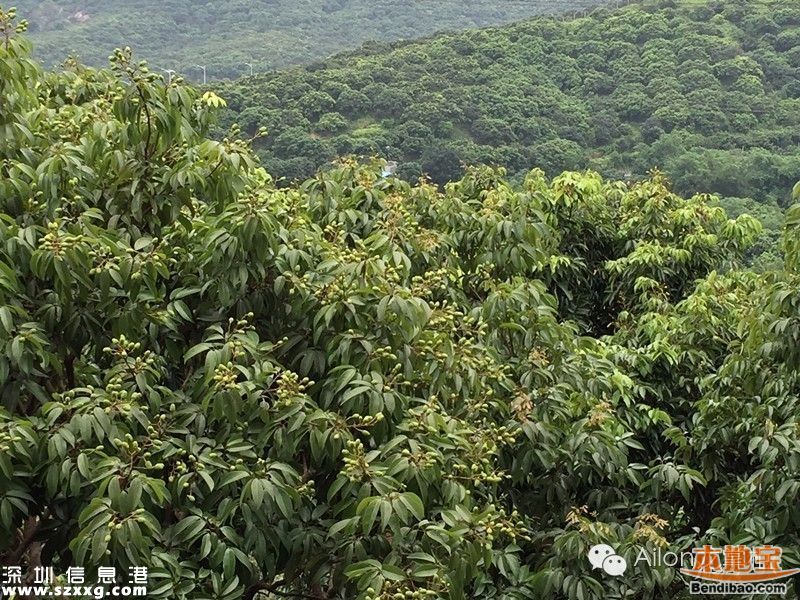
355,387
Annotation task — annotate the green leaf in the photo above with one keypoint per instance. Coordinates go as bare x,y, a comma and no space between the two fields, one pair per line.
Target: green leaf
6,319
195,350
188,529
413,503
368,511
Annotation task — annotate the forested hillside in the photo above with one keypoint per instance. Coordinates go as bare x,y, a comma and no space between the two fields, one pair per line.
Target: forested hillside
358,388
224,35
707,91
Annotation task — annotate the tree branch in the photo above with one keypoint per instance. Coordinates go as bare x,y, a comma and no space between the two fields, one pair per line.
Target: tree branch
262,586
149,125
29,531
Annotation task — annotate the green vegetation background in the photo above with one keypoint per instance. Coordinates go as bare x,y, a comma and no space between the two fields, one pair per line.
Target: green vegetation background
359,388
708,92
224,35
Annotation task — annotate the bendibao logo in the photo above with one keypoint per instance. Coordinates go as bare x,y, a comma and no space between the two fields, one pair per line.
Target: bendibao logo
738,570
728,570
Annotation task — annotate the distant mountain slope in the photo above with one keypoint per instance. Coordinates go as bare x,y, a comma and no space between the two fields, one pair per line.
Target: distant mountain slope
708,91
226,34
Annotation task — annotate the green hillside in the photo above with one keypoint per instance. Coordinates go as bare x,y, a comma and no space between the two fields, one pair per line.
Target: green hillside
706,91
224,35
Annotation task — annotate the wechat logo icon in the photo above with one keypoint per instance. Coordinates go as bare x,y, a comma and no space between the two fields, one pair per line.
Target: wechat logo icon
603,556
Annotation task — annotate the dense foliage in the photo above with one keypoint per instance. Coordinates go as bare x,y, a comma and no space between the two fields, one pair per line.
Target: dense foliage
706,91
227,34
359,388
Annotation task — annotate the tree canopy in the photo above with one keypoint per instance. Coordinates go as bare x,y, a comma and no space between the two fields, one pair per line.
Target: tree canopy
358,387
705,91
